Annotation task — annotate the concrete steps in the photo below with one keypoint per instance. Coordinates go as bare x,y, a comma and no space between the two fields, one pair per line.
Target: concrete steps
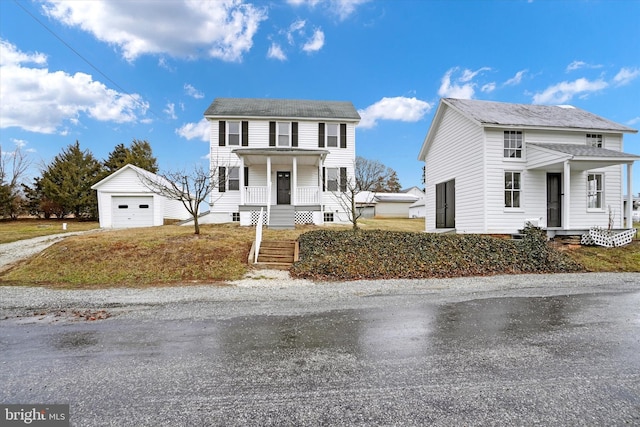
282,217
277,254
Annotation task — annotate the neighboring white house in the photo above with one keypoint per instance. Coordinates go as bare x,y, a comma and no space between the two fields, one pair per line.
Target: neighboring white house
291,158
125,202
491,167
385,205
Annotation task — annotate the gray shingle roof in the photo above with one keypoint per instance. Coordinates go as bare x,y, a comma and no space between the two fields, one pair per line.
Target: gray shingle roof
585,151
282,108
504,114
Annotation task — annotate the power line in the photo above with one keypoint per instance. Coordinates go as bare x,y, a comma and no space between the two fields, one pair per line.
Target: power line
120,88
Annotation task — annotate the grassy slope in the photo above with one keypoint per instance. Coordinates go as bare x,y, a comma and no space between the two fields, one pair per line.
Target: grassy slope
11,231
174,255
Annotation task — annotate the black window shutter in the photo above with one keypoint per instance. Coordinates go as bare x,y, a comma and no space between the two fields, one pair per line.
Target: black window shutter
324,179
343,180
294,134
343,135
222,179
246,176
245,134
272,134
321,135
221,133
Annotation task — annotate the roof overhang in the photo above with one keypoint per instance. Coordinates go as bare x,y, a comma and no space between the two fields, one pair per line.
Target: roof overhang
579,156
259,155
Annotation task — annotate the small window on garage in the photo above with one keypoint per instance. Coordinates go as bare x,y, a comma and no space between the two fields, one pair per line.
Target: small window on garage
123,206
143,206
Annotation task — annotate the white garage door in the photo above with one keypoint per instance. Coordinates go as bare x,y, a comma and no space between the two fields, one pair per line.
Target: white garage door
132,211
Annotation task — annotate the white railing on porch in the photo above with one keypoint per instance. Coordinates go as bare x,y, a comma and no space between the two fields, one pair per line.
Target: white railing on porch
256,195
260,196
258,236
307,196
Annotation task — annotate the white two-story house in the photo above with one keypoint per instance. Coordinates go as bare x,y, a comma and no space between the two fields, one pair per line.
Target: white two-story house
292,158
491,167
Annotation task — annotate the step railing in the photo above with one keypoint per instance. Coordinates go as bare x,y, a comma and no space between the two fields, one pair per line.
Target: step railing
258,235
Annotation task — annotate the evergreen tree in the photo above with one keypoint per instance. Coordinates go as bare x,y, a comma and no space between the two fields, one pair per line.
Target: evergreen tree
393,183
68,179
138,154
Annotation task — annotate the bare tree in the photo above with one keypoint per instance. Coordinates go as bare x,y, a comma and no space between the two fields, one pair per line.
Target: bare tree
190,187
370,174
13,166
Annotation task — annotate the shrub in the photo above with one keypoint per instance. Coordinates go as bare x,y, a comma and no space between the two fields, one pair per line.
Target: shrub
376,254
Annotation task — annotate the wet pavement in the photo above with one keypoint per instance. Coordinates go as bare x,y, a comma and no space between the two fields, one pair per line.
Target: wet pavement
396,360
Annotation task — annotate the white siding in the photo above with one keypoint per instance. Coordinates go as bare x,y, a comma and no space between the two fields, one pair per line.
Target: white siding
456,153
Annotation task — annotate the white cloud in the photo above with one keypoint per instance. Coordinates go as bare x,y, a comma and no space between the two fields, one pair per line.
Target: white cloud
315,43
634,121
39,100
170,110
185,29
488,88
576,65
468,75
398,108
626,75
198,130
275,52
564,91
515,80
452,90
295,27
342,8
193,92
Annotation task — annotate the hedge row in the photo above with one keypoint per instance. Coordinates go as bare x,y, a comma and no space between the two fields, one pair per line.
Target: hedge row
360,254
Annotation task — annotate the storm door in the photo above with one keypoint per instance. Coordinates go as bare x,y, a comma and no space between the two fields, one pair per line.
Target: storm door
446,204
284,188
554,200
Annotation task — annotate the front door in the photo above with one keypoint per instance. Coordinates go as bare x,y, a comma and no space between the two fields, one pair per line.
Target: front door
446,204
554,200
284,188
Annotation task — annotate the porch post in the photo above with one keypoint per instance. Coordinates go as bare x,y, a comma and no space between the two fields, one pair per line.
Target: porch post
629,209
268,181
320,194
242,183
566,200
294,189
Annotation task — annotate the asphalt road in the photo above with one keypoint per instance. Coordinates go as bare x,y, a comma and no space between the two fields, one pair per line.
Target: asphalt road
401,357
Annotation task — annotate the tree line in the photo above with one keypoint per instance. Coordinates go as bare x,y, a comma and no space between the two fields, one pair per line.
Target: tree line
63,188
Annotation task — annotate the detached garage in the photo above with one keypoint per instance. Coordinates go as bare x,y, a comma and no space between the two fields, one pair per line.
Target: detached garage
125,202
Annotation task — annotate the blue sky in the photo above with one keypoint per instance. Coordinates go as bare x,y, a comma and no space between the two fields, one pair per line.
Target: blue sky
105,73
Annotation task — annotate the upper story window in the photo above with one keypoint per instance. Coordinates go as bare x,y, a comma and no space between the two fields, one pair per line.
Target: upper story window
332,134
594,140
513,144
284,134
234,133
512,189
594,191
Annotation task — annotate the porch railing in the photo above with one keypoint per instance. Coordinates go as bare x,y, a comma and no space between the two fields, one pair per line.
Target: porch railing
254,195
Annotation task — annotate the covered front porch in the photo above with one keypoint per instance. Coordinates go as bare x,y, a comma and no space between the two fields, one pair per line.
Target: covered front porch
579,195
285,182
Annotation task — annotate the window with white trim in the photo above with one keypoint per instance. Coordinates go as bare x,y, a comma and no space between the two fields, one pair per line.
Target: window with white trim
235,216
284,134
234,179
595,191
512,189
513,144
332,134
233,129
594,140
328,217
332,179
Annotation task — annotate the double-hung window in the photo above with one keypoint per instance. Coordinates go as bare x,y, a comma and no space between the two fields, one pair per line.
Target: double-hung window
332,135
512,189
594,140
284,134
332,179
234,133
234,179
513,144
595,191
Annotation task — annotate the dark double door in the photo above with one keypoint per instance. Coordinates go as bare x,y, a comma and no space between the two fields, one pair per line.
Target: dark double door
446,204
